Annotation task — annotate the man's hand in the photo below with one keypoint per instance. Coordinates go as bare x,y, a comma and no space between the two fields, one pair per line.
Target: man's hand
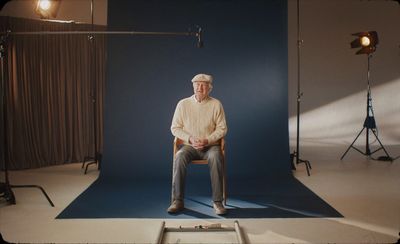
198,143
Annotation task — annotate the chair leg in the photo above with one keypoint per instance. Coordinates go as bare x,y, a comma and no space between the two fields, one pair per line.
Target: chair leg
224,183
224,196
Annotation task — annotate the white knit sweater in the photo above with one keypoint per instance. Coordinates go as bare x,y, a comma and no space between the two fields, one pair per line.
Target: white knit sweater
205,120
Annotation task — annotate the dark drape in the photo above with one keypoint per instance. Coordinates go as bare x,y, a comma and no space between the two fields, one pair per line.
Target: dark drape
51,81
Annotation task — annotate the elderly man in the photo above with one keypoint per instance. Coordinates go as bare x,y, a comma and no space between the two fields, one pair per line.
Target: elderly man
200,122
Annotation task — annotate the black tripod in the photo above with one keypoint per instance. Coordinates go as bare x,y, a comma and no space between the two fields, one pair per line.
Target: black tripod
5,188
296,154
369,125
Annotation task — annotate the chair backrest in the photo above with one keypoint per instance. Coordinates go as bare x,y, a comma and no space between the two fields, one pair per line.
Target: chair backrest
178,142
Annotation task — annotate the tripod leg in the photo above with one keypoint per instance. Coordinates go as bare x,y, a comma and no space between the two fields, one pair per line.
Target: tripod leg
99,159
35,186
380,143
87,166
308,165
8,194
85,160
96,160
292,155
308,168
351,145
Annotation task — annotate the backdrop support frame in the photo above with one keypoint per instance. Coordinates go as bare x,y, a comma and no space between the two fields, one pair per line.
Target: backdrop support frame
5,188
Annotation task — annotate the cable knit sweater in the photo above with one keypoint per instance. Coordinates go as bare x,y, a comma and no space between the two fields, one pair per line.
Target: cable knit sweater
205,120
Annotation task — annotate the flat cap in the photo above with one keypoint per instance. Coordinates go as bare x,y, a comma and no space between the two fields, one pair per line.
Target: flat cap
203,77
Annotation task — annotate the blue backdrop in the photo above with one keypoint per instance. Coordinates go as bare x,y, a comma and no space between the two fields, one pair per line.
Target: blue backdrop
245,49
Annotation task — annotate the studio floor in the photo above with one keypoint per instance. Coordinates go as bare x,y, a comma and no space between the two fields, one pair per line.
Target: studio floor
366,192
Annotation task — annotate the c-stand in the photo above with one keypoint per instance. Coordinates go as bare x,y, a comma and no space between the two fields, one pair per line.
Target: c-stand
97,156
5,188
296,154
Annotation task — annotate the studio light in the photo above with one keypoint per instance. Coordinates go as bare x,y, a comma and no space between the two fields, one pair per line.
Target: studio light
47,8
366,40
44,5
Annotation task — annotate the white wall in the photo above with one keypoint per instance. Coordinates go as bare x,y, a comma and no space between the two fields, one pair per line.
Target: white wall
77,10
334,79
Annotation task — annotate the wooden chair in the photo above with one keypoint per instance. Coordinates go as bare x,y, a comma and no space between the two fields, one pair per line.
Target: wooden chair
178,142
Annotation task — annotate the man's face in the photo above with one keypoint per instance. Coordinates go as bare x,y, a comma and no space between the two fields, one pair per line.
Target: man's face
201,89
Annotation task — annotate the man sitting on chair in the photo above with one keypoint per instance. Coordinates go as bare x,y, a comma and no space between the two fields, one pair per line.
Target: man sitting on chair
199,121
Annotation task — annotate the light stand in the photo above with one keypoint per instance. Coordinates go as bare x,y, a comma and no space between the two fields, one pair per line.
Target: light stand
5,188
296,154
97,156
369,125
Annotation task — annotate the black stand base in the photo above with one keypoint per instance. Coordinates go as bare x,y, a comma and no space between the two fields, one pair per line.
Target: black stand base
367,148
8,194
92,160
299,161
38,187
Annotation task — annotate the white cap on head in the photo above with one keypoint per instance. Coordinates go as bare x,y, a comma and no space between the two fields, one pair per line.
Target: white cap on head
203,77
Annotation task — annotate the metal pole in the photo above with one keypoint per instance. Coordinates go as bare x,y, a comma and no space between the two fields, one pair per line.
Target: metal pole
298,84
96,157
91,11
367,149
8,194
239,233
4,108
145,33
299,95
160,233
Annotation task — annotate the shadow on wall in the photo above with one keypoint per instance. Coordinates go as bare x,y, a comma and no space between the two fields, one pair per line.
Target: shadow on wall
334,79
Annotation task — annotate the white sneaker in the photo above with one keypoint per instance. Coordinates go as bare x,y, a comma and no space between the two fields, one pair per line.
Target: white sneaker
219,208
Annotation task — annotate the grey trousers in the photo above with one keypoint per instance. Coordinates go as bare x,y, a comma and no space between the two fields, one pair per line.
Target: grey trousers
184,156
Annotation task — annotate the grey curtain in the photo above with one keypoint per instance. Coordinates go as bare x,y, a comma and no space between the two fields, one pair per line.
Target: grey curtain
51,81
